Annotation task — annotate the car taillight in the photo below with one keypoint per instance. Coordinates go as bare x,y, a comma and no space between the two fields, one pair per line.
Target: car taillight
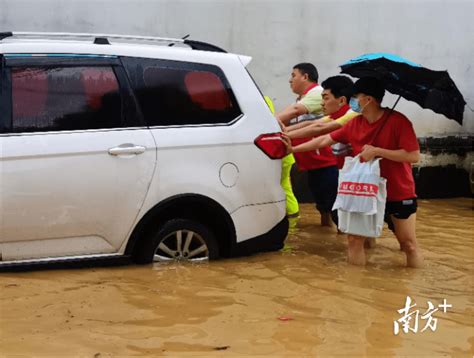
272,145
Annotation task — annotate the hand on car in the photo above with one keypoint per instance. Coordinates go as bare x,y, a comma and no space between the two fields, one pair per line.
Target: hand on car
287,141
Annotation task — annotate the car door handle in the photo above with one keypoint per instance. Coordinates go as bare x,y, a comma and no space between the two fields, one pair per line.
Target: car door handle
127,149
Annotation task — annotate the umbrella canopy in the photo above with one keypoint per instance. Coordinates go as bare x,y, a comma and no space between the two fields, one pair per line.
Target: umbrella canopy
430,89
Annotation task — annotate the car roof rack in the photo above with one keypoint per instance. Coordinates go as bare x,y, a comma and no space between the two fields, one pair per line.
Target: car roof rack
103,39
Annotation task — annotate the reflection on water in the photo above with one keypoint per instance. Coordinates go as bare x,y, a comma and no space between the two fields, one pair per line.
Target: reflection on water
234,306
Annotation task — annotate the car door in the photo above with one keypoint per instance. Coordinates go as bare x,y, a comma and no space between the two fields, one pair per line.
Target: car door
76,161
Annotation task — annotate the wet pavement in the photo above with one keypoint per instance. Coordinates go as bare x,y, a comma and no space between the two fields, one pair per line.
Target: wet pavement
303,300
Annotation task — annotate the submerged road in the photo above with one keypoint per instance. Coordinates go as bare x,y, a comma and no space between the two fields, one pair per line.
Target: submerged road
303,300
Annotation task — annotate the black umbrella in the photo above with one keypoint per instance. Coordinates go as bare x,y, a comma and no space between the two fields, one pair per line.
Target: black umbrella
430,89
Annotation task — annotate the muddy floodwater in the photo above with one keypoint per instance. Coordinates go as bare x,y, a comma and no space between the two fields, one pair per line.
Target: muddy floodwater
303,300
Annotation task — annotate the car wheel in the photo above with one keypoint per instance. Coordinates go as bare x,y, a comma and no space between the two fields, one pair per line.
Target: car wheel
179,240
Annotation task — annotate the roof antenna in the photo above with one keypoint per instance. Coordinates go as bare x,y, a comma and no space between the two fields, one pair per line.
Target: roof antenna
182,38
101,41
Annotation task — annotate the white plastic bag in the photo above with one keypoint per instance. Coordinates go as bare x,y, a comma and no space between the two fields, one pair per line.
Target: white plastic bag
360,224
358,186
361,198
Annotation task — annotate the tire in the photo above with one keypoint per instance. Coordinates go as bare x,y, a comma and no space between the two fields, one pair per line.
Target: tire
198,243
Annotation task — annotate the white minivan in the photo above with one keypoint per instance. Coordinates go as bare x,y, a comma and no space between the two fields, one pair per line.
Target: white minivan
149,149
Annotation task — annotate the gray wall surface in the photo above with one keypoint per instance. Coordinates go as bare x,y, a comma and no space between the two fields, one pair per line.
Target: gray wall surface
278,34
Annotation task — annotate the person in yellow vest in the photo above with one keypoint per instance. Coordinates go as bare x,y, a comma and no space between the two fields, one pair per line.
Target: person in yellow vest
292,206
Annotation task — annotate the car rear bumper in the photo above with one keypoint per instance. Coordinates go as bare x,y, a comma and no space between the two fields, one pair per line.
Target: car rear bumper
271,241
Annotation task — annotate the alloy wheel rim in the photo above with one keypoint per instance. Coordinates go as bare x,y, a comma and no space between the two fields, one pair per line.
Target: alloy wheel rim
182,245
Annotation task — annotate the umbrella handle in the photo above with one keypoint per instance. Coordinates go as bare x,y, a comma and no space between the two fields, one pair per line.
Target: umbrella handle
400,96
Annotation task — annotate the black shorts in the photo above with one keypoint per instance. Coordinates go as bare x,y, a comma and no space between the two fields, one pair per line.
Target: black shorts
399,209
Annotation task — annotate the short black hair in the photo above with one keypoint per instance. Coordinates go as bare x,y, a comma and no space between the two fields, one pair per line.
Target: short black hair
309,69
370,86
340,86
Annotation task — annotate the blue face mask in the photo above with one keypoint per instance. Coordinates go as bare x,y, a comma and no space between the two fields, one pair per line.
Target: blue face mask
354,104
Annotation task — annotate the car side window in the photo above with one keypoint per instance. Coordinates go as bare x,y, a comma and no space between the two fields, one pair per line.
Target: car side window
174,93
55,98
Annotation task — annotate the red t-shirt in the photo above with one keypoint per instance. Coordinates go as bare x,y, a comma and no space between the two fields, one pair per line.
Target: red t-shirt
397,133
314,159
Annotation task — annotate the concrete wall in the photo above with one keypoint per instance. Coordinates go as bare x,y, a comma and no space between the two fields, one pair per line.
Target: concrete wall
281,33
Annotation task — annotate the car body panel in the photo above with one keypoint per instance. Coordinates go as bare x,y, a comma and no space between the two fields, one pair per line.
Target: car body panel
66,185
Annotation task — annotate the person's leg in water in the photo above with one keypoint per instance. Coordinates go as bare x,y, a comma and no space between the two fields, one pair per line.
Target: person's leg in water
330,183
326,218
405,232
400,210
369,242
355,250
